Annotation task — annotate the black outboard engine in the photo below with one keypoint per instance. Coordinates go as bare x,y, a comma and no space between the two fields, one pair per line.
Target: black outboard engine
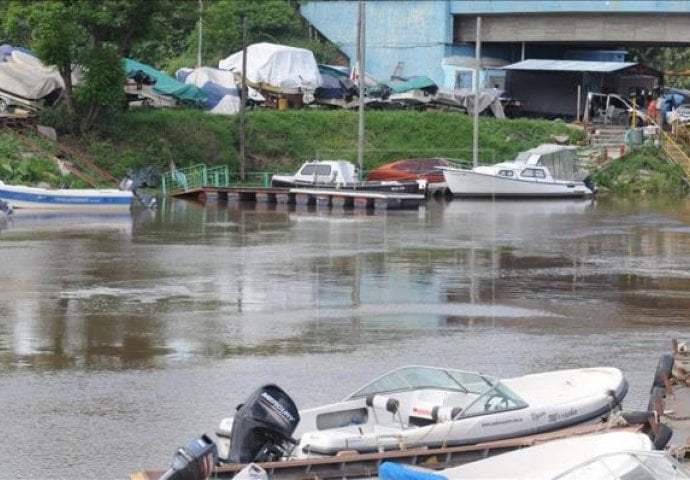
194,461
263,426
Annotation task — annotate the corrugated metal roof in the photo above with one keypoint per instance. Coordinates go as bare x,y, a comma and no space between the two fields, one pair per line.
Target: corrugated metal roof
569,65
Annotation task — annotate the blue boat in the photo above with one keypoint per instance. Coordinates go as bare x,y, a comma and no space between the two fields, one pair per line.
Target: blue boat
20,197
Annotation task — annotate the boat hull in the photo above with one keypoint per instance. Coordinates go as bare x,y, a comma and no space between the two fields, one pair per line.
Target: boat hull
21,197
467,183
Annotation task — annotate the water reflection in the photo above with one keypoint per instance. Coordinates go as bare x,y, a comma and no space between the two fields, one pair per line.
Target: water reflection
193,280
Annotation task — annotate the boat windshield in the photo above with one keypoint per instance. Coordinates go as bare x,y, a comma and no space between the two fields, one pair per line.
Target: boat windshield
628,465
497,398
414,377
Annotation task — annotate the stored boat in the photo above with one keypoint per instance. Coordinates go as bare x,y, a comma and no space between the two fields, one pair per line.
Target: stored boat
603,456
341,174
66,198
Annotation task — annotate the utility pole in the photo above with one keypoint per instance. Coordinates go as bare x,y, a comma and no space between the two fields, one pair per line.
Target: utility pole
201,26
361,40
477,68
243,102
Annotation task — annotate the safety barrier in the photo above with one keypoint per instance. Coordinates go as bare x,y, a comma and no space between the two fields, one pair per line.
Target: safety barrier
201,176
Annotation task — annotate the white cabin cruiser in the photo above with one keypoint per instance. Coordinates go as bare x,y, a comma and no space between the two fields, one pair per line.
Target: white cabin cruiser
418,406
510,179
341,174
547,171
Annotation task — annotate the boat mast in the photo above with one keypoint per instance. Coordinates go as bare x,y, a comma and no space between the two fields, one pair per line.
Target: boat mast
361,23
477,66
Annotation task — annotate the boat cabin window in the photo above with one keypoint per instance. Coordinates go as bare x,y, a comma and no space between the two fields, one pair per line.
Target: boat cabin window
533,173
505,173
496,399
412,378
316,169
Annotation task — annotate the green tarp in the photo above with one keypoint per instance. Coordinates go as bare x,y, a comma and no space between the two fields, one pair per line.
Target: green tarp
165,84
414,83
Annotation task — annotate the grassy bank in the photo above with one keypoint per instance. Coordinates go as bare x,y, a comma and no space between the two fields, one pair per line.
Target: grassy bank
281,141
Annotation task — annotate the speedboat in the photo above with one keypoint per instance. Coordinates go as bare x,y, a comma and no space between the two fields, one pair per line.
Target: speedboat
341,174
603,456
419,406
92,199
412,169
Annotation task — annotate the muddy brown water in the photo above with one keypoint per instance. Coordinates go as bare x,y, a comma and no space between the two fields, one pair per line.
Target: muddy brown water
124,336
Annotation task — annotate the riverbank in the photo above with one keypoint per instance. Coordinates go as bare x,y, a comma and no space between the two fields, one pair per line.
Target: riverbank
282,140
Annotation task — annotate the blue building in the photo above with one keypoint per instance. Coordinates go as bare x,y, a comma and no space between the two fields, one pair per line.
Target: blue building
437,38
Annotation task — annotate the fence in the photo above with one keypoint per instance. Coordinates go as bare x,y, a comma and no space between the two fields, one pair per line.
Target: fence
201,176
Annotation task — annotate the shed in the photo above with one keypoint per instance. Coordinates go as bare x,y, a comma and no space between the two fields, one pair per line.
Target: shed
550,87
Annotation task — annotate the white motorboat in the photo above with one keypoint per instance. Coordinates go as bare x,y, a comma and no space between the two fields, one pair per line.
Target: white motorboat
342,174
418,406
603,456
92,199
530,175
511,179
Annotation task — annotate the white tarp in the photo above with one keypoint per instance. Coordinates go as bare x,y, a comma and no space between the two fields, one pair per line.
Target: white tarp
220,87
25,76
288,69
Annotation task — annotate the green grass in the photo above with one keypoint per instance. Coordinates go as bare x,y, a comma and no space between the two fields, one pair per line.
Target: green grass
643,172
282,140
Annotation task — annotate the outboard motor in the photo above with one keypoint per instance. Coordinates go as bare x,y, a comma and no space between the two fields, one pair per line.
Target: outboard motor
194,461
5,207
263,426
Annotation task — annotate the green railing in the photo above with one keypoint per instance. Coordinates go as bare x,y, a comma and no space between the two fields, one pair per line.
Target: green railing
201,176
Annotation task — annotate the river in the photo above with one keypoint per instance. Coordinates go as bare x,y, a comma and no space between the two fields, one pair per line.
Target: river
123,337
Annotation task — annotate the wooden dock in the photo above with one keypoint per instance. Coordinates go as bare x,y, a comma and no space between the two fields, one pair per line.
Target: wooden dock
355,465
319,197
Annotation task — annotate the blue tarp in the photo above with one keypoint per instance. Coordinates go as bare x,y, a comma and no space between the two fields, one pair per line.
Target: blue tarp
396,471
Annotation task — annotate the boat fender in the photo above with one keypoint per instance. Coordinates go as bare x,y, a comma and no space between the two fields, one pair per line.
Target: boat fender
385,403
656,400
444,414
661,437
663,370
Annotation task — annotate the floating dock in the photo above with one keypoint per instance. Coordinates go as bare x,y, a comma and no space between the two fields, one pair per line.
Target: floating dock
320,197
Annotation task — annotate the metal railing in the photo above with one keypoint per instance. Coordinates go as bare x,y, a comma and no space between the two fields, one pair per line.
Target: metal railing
201,176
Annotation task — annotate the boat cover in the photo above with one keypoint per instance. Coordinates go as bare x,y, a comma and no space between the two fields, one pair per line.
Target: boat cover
279,66
220,86
24,75
164,83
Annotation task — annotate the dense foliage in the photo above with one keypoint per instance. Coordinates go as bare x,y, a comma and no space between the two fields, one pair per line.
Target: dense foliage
643,172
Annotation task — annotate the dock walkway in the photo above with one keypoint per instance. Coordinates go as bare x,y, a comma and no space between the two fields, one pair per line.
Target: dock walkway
320,197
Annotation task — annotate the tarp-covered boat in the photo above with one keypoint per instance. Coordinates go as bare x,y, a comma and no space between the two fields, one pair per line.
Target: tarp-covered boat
163,83
277,68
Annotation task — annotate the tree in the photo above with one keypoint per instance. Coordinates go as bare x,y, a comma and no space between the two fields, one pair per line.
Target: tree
85,35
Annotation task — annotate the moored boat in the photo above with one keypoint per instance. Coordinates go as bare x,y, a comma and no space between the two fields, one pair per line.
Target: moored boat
603,456
21,197
342,174
510,179
412,169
